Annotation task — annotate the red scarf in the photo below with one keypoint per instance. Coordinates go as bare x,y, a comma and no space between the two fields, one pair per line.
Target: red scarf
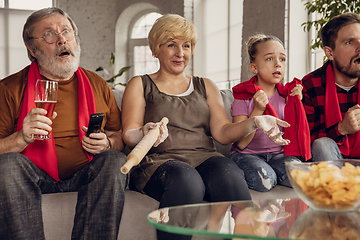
43,153
349,146
298,133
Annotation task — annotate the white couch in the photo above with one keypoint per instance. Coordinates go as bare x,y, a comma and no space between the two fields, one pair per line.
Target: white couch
59,208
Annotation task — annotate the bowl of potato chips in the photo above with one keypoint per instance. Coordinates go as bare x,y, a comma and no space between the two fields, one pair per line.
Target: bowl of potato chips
332,186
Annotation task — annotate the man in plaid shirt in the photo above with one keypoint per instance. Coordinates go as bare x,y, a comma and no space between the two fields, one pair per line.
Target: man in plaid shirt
331,93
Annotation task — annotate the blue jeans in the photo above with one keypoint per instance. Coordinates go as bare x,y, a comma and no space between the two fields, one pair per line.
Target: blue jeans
263,171
100,186
324,149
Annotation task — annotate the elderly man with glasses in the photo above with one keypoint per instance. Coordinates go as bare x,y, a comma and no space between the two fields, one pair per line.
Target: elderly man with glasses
70,161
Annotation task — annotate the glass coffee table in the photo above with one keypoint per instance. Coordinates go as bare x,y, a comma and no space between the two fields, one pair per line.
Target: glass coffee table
264,219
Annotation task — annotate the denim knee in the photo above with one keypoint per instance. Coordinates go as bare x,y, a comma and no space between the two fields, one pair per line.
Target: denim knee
324,149
175,183
264,179
189,183
11,165
112,161
323,142
258,174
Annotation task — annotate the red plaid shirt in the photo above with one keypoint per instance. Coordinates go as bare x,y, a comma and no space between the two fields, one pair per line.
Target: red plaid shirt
314,100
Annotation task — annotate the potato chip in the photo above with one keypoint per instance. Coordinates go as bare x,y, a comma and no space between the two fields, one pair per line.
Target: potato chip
329,186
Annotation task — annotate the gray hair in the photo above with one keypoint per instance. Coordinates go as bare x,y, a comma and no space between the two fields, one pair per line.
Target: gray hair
38,16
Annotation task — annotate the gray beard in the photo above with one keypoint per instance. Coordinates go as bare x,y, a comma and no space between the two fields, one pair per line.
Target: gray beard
64,70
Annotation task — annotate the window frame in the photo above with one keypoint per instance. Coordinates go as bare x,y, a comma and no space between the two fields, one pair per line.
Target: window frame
7,5
314,53
6,11
135,42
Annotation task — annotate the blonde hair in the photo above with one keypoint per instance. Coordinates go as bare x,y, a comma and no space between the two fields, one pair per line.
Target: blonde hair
170,27
255,40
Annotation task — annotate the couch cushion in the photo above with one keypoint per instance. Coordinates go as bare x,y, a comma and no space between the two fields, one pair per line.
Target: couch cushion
134,224
58,214
228,98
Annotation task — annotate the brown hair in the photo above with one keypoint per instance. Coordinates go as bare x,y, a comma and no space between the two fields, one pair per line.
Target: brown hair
330,30
170,27
255,40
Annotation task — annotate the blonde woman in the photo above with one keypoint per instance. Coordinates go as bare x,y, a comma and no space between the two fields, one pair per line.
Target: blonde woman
183,167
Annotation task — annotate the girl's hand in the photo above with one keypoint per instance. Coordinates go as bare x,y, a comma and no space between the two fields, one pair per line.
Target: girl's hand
260,100
297,90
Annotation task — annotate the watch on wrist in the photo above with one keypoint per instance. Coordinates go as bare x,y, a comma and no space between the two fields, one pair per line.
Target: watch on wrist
109,146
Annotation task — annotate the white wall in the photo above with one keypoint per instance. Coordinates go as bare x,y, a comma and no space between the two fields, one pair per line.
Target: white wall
298,55
236,24
216,19
218,52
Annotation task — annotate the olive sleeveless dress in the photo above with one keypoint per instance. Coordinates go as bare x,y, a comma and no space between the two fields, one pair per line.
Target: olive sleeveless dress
189,137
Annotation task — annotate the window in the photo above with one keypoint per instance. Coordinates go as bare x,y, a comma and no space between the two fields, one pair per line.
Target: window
139,52
143,25
217,53
29,5
13,14
317,56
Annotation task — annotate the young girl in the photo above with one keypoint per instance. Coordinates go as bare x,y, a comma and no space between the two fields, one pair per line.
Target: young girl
262,161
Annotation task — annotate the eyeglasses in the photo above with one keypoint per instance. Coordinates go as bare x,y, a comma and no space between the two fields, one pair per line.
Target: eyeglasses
51,36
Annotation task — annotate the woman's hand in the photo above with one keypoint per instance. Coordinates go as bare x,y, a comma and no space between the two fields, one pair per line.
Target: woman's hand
260,100
269,125
164,133
297,90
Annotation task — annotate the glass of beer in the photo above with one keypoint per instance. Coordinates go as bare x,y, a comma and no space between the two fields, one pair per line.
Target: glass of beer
46,93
